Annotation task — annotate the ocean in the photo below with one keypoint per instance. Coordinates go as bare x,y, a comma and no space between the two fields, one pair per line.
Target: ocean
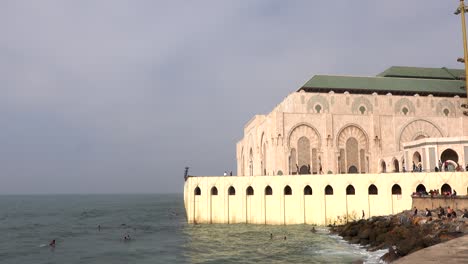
159,233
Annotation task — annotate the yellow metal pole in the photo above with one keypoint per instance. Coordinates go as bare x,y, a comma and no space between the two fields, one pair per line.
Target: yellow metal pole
462,9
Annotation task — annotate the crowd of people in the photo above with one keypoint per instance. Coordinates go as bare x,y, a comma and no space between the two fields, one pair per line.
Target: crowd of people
434,193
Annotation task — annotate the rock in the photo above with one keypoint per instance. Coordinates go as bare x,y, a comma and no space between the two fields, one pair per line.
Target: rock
390,256
364,234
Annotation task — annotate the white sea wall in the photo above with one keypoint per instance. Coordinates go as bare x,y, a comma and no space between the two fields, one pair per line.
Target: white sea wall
298,208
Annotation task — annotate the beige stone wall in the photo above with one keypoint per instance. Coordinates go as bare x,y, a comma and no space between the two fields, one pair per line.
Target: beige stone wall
380,124
297,208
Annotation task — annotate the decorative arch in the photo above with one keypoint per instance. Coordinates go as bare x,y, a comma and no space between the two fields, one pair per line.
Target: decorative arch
287,190
268,190
249,190
373,190
279,173
418,128
352,130
231,191
197,191
328,190
445,108
307,190
361,101
317,100
404,103
353,145
304,129
305,140
350,190
214,190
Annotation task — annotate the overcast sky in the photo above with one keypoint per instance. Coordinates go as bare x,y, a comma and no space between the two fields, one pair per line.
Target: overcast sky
118,96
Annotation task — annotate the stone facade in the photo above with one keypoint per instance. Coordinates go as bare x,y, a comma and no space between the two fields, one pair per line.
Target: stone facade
353,133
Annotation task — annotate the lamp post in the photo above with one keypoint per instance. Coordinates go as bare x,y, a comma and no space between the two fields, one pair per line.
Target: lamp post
461,10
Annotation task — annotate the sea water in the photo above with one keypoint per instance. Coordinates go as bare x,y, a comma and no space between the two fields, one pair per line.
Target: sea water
158,231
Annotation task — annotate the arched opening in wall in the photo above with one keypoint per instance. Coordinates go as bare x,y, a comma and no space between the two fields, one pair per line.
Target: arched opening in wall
231,191
251,162
352,154
214,191
451,157
303,155
446,189
350,190
396,189
287,190
268,191
250,190
304,170
373,190
328,190
280,172
416,158
362,109
293,162
446,112
197,191
352,169
383,167
308,190
396,166
421,188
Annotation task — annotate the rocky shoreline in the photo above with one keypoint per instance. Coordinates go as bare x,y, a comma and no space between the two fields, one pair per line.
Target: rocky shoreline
403,233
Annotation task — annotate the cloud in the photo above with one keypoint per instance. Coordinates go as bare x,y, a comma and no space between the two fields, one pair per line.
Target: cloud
119,96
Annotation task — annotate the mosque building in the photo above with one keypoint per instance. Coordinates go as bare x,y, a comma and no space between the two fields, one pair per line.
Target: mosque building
343,148
403,119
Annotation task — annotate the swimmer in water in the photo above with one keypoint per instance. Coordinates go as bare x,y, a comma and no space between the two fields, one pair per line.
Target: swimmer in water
271,235
52,243
313,230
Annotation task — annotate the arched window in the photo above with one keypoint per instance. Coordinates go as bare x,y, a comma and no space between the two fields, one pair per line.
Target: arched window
405,110
362,109
446,189
446,112
396,189
318,108
373,190
214,191
231,191
287,190
268,191
328,190
308,190
350,190
280,172
197,191
250,190
421,189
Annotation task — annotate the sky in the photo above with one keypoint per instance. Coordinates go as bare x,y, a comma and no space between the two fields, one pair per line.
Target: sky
114,96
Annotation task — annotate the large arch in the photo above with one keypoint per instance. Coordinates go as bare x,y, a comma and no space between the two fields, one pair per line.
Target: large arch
305,139
449,155
417,129
396,165
353,145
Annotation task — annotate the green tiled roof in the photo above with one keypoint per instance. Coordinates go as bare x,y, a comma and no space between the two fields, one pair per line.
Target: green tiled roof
422,73
383,85
395,80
